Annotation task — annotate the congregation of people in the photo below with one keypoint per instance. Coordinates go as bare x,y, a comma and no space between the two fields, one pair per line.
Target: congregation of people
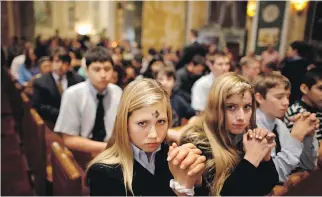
196,121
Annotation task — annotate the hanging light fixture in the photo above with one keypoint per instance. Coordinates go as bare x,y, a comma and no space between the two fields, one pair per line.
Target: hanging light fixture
299,5
251,8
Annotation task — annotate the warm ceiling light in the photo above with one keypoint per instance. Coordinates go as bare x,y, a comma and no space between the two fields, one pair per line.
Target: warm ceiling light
84,29
251,8
299,5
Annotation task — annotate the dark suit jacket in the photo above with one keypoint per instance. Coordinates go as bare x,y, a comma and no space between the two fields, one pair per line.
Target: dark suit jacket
189,52
295,70
46,98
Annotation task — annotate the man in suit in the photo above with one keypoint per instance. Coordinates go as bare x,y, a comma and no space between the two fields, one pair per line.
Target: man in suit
295,67
49,88
194,48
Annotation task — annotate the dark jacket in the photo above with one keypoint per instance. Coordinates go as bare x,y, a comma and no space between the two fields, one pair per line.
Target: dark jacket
46,98
107,180
189,52
181,108
295,70
184,83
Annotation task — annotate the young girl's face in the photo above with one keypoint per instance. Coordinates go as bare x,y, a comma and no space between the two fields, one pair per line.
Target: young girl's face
238,112
148,127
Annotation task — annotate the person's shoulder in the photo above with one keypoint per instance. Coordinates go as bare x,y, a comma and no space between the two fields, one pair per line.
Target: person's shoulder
203,81
79,87
76,76
181,71
114,88
105,170
42,79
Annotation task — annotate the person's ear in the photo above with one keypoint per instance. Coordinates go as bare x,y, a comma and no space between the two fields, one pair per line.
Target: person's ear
259,98
304,89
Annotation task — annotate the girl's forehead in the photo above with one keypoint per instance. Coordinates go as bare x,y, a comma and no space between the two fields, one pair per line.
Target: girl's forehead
240,97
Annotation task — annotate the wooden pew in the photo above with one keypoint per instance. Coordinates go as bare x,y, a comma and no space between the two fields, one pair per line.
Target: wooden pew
310,186
15,179
66,175
296,178
279,190
34,144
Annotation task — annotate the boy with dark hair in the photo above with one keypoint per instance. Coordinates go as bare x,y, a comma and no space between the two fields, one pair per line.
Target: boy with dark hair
188,75
311,101
295,147
88,109
181,109
49,87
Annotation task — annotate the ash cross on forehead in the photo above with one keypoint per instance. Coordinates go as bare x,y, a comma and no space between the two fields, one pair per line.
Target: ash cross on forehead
156,114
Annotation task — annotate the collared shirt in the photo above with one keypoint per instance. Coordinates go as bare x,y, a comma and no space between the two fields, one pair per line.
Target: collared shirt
292,154
64,80
141,157
16,62
200,91
78,109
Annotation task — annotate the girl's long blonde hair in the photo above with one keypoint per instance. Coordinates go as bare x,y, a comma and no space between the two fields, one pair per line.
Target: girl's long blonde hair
225,154
138,94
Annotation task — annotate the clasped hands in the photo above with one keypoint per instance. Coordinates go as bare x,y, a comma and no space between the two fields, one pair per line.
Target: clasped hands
186,163
257,144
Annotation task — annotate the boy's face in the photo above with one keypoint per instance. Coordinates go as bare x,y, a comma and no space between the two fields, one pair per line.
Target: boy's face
276,102
60,67
315,95
100,74
167,82
221,65
253,70
198,69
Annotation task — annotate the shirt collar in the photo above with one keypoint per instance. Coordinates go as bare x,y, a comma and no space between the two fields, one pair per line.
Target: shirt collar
139,154
265,120
56,77
93,90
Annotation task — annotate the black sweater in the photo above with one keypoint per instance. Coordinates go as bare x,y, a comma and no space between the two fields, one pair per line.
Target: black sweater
107,180
245,179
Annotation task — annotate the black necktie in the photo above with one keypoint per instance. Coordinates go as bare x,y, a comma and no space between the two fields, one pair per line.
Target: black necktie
277,140
99,131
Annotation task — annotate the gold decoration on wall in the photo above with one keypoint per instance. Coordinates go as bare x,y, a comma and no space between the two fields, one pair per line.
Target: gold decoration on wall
163,24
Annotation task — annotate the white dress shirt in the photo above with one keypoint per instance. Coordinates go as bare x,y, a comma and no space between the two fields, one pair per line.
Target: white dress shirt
78,109
200,91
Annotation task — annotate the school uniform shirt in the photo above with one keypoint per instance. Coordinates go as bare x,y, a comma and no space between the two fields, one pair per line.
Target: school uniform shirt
107,180
299,107
78,109
200,91
293,153
141,157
